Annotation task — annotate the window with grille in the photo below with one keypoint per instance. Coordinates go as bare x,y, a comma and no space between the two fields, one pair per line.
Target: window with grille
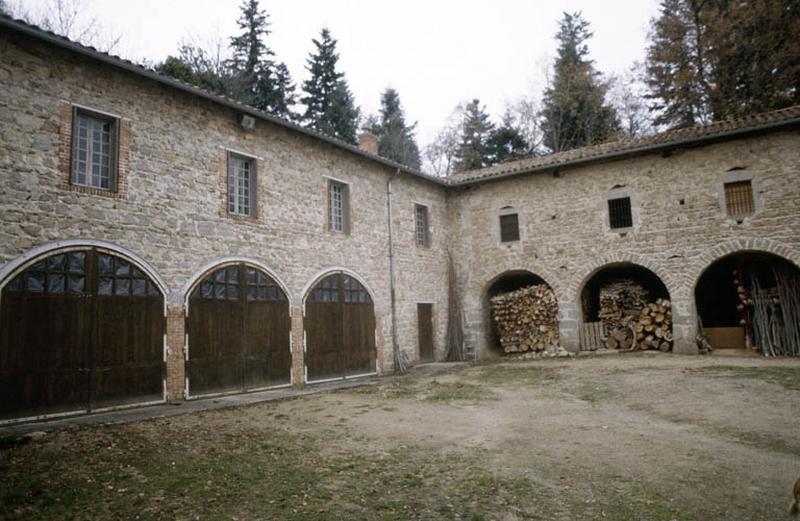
619,213
421,221
242,185
509,227
94,150
338,204
739,198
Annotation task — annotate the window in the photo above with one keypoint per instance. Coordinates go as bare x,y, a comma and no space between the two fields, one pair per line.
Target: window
94,150
509,227
739,198
338,207
242,186
421,227
619,213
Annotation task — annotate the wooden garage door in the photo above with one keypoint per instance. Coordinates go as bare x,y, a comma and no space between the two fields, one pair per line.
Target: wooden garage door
80,330
238,325
340,329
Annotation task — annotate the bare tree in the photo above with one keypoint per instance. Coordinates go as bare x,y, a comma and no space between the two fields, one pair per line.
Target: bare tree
440,154
627,93
526,117
68,18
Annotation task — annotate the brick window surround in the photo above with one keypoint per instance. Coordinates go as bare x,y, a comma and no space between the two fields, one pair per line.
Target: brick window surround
120,153
257,171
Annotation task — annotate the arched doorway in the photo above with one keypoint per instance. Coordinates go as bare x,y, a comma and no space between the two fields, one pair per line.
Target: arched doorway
238,327
625,306
509,282
81,329
751,300
340,329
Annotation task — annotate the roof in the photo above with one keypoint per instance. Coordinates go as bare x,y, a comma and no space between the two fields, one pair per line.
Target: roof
689,136
683,137
20,26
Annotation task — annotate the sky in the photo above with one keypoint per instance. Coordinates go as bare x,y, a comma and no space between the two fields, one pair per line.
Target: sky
436,53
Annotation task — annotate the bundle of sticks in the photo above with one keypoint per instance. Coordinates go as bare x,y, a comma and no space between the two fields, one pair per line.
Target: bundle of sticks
526,319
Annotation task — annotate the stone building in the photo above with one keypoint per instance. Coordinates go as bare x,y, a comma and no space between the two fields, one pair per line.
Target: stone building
161,243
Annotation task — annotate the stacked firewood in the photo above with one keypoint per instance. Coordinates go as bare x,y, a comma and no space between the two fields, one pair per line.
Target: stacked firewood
619,310
745,299
634,324
526,319
654,326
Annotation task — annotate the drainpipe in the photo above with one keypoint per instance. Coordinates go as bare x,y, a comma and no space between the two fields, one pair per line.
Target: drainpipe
399,362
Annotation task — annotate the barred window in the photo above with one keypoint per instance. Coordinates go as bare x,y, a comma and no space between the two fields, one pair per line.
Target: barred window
421,224
739,198
509,227
94,150
338,204
241,185
619,213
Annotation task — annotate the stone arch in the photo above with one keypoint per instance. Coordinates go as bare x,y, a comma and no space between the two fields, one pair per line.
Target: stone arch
213,265
575,286
724,249
20,263
517,278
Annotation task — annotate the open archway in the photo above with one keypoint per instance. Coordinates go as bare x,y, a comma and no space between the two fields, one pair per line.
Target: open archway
750,299
506,283
613,299
81,329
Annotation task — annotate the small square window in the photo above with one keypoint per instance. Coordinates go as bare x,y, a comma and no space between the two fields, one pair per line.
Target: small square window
421,224
242,185
509,227
94,150
338,207
739,198
619,213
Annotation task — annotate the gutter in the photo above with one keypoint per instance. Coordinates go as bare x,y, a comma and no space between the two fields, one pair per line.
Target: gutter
400,364
59,41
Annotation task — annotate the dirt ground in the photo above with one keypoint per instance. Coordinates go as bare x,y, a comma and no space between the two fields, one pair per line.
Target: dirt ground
639,437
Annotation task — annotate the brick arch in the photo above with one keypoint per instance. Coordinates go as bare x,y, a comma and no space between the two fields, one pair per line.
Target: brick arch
575,287
712,255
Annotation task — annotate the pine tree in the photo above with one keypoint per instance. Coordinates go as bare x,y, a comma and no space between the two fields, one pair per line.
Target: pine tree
259,81
395,137
506,143
574,110
195,66
476,128
714,59
330,107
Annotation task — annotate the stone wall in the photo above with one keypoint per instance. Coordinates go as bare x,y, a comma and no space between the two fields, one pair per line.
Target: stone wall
680,224
175,147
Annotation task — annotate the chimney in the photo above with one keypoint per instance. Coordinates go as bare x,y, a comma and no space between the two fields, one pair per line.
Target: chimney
368,142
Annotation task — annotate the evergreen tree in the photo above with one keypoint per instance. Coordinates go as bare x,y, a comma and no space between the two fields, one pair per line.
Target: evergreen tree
258,80
473,151
574,110
330,106
395,137
506,143
196,67
714,59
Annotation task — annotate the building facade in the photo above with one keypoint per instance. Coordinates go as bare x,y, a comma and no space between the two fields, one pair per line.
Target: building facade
161,243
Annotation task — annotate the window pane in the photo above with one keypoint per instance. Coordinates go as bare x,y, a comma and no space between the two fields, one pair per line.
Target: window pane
122,287
139,287
105,264
76,284
105,286
57,262
77,262
35,281
55,283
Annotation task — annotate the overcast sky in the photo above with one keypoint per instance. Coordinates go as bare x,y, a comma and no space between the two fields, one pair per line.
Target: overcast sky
436,53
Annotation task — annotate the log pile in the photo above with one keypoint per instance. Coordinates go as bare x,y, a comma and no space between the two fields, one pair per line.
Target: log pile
526,319
634,324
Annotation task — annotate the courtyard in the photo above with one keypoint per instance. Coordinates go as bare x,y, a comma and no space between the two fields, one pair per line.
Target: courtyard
624,437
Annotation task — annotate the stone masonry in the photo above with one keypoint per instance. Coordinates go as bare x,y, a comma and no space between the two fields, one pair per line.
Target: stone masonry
170,213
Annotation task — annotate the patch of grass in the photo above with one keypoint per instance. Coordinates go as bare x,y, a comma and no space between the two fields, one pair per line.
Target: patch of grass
786,377
641,501
455,391
527,374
